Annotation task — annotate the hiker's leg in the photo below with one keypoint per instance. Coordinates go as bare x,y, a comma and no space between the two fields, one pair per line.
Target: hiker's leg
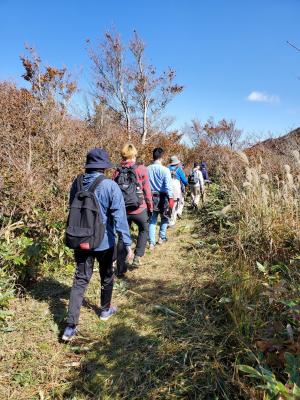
163,227
203,195
197,195
121,257
193,195
180,206
84,270
105,259
142,222
152,227
173,218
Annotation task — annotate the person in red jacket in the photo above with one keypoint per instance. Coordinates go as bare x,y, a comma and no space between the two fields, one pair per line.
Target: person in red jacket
139,216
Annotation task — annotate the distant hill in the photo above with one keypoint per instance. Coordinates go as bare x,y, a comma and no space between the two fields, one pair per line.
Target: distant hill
276,152
282,145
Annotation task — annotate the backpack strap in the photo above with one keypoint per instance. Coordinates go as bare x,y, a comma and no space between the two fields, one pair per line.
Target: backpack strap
96,182
79,183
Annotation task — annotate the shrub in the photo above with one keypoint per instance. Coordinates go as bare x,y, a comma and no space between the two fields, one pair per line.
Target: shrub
7,293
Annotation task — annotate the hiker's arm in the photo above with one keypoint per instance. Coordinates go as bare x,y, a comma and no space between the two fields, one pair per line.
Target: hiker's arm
147,190
182,176
168,183
118,212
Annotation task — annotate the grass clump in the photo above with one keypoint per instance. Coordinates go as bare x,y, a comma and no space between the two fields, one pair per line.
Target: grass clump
253,294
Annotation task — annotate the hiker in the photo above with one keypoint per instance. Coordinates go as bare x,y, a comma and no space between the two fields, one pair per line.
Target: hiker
196,183
203,168
97,210
134,182
162,195
179,182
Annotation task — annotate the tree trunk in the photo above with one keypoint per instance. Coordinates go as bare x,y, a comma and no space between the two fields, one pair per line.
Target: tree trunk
128,126
145,127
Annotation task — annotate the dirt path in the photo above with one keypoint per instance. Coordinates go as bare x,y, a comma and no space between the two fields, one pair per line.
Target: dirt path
141,353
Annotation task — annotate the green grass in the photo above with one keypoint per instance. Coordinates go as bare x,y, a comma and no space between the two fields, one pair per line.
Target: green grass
168,340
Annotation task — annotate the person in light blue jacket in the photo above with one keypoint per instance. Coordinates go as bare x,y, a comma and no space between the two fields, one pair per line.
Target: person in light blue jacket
162,194
113,216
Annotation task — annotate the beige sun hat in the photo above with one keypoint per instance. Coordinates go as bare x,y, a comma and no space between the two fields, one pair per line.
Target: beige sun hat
174,160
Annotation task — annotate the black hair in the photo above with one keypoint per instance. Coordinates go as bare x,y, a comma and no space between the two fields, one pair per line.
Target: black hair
158,152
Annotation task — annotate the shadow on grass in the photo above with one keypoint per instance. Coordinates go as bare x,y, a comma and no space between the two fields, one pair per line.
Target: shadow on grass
57,295
153,353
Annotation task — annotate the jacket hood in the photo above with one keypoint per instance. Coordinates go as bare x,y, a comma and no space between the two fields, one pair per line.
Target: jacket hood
89,178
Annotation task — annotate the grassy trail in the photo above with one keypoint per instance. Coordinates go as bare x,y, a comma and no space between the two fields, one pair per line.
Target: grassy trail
145,352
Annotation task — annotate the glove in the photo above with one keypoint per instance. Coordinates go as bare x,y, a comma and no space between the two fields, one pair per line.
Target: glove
171,203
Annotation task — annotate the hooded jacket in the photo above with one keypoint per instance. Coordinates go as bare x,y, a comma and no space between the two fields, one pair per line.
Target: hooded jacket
112,209
204,171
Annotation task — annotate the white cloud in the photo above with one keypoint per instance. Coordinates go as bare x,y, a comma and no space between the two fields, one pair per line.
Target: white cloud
263,97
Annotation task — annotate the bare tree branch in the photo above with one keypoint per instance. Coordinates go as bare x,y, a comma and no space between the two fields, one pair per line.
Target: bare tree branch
292,45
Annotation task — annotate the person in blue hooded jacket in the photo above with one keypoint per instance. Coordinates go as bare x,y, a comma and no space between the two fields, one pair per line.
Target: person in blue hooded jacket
113,216
179,182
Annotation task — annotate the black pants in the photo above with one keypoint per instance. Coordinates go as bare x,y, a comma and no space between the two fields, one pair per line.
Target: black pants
84,270
141,220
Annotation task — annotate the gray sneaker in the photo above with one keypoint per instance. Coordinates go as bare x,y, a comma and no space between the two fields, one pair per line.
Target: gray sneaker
69,333
106,314
136,262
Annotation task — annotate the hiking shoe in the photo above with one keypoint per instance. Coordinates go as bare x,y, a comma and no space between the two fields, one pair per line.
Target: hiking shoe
106,314
151,247
161,241
69,333
136,262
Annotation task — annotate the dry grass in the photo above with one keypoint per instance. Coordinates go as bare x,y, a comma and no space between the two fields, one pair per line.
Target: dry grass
159,346
196,309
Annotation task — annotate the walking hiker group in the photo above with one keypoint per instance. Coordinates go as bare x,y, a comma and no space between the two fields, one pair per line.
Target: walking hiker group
102,210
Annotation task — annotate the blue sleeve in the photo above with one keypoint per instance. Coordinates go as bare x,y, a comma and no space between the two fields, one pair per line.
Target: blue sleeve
118,212
168,183
182,176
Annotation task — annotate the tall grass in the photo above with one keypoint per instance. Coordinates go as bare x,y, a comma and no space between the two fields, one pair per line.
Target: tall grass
259,281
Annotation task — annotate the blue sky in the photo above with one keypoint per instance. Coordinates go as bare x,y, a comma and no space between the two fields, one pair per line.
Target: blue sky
224,51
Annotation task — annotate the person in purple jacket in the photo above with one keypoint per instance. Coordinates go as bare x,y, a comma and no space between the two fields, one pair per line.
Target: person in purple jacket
203,168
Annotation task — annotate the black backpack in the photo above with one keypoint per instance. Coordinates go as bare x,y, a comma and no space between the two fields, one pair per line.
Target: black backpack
85,229
130,188
193,179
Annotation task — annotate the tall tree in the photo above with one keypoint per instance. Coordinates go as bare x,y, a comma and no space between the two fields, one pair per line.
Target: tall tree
152,91
231,133
128,86
222,133
113,82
